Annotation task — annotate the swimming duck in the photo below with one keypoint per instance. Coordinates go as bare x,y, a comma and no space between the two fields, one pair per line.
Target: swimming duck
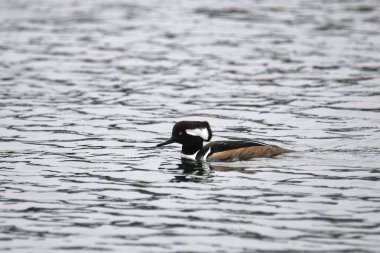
192,134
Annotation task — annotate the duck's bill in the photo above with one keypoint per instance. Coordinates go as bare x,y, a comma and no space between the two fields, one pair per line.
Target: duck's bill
165,143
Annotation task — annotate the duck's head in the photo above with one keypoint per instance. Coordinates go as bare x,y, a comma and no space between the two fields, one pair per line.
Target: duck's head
187,132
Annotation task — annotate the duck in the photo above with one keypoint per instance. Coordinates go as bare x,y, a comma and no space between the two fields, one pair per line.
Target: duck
192,134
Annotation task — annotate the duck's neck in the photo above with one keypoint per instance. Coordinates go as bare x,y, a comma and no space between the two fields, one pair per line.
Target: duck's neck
192,148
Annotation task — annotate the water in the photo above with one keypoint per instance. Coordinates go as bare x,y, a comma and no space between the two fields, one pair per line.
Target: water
88,88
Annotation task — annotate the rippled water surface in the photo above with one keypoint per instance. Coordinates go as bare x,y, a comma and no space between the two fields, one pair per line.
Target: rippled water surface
89,87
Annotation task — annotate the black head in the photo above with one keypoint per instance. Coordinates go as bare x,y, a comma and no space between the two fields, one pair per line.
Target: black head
186,132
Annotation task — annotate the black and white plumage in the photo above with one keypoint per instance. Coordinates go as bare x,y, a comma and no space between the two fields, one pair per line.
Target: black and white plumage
191,135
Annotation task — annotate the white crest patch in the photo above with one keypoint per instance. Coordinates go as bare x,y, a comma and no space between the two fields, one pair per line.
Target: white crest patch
201,132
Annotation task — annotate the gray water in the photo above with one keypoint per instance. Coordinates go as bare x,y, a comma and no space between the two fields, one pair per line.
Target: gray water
88,88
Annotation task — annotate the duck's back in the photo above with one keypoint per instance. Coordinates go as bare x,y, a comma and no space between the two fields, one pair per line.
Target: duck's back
229,151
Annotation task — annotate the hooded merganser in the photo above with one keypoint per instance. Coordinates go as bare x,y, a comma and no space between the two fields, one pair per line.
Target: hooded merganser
191,135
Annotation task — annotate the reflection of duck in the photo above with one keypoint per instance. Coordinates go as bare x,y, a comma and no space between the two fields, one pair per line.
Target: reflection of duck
191,135
192,171
198,171
228,168
190,166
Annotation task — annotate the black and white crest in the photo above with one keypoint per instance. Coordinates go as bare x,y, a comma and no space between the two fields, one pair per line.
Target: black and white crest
195,128
190,133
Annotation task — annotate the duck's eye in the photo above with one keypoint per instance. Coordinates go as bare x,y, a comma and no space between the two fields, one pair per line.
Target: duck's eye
180,133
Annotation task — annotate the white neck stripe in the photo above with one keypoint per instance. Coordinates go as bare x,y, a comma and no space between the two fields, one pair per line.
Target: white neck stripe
205,156
192,157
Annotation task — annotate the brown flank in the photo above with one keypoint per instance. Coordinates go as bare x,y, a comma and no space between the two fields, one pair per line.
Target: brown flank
247,153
